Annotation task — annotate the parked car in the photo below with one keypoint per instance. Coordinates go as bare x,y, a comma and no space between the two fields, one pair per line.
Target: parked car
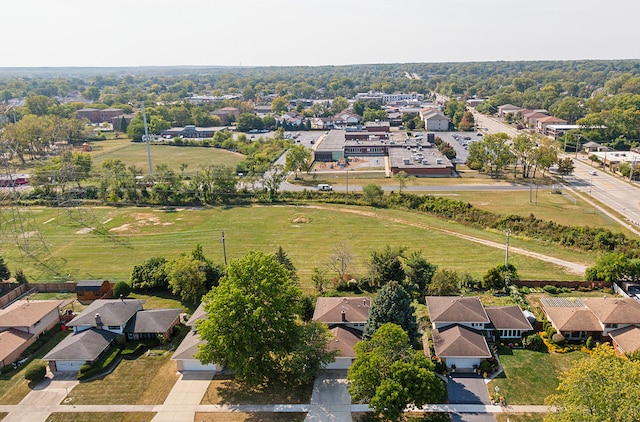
324,187
593,173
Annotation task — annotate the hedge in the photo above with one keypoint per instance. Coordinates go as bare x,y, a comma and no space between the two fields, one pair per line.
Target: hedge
87,370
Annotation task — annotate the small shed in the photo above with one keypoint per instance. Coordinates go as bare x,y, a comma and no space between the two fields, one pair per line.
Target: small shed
90,290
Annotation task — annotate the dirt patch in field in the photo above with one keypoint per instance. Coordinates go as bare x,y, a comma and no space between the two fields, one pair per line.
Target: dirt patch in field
141,220
85,230
300,220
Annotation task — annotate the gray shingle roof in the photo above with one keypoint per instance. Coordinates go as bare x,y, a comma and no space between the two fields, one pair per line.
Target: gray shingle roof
84,346
152,321
112,312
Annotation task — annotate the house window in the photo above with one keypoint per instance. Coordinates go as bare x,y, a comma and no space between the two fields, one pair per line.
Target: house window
113,327
611,325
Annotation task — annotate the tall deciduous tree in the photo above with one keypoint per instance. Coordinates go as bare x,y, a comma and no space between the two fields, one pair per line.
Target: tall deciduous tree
445,283
389,375
385,266
419,273
251,325
187,278
298,159
392,304
602,387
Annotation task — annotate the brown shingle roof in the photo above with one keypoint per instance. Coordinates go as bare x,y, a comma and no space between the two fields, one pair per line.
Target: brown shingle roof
459,341
345,339
627,338
551,119
456,309
573,319
10,341
25,313
329,309
614,310
508,318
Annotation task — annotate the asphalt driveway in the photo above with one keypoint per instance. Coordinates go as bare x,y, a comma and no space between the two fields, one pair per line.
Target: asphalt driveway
468,389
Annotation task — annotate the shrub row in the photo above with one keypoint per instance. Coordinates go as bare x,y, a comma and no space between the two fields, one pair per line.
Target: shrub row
88,370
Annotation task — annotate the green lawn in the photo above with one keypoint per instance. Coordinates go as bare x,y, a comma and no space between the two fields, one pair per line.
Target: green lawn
224,389
100,417
145,380
135,153
530,376
519,417
306,233
250,417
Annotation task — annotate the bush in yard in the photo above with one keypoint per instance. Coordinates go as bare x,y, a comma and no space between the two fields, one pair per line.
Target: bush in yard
36,372
486,366
534,342
558,339
590,344
121,289
552,290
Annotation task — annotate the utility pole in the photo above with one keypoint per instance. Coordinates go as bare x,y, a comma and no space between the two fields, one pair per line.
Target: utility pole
146,138
506,255
224,249
346,200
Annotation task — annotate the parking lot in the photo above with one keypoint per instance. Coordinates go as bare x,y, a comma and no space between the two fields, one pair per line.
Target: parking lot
460,141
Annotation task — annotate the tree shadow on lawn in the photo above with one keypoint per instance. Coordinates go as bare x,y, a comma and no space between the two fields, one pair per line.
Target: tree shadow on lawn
224,389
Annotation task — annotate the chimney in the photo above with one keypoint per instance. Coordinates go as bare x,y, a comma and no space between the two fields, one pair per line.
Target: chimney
98,321
344,316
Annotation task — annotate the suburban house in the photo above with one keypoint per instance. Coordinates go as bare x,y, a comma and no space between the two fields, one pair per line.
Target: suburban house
184,354
346,118
434,119
90,290
22,322
345,317
95,329
603,318
461,326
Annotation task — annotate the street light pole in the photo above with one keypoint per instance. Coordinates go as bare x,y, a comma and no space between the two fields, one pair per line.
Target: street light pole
346,200
506,254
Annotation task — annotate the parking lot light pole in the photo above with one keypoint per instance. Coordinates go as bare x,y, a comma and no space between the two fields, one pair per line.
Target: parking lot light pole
506,254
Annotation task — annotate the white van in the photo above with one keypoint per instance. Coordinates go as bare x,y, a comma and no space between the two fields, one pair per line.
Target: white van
325,187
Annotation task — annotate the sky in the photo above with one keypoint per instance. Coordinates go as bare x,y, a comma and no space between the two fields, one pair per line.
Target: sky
312,32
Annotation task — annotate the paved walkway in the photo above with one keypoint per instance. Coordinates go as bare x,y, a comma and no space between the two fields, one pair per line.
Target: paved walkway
182,402
330,400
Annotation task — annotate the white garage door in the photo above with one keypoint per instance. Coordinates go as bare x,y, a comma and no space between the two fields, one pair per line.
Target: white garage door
463,363
68,366
196,365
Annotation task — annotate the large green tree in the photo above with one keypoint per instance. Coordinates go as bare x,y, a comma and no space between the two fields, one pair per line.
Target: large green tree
419,273
602,387
298,159
389,375
385,265
392,304
252,328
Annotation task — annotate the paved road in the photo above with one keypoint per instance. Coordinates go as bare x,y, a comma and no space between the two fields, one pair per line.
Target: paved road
618,194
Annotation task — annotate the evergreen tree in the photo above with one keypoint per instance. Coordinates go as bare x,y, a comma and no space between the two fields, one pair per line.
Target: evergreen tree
5,274
282,257
392,304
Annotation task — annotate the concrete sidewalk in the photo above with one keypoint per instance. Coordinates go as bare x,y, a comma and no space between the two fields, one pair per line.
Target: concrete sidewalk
182,402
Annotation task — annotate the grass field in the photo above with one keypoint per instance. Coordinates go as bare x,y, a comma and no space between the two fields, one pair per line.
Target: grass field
519,417
145,380
145,232
135,153
224,389
100,417
250,417
532,376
